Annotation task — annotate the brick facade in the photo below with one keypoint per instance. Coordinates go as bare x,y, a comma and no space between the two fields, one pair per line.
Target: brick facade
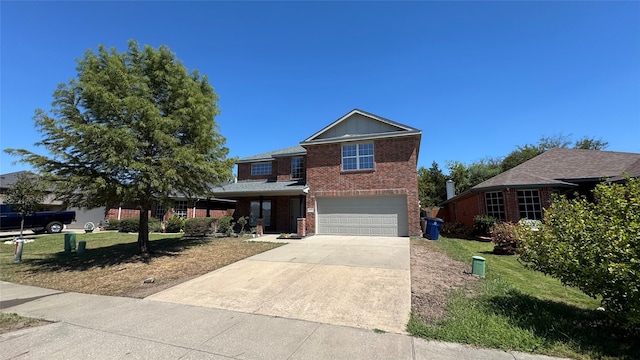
394,173
280,170
465,208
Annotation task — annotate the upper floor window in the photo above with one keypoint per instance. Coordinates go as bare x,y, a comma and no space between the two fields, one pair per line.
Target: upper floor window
357,156
261,168
529,204
297,167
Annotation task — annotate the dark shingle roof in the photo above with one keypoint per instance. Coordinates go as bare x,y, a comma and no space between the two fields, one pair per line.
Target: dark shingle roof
565,167
290,151
9,179
252,188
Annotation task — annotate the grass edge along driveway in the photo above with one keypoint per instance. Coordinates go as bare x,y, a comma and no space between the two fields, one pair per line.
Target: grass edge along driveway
519,309
111,266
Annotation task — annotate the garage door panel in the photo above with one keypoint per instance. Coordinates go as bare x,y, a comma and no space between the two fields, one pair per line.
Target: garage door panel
367,216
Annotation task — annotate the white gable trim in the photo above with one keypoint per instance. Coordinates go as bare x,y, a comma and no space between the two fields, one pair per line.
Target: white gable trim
405,129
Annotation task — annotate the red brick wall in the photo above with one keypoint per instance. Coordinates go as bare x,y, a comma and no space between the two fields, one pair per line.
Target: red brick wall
464,210
473,204
394,174
244,172
512,211
280,167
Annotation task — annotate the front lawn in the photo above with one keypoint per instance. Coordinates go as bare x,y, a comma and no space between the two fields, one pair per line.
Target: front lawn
519,309
110,265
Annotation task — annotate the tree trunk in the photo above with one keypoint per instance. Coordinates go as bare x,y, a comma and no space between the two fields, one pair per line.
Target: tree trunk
21,225
143,232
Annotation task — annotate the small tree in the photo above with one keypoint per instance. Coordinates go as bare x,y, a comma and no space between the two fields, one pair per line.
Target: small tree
593,246
25,195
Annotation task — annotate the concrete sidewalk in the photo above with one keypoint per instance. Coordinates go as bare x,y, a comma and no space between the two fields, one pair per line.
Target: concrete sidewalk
104,327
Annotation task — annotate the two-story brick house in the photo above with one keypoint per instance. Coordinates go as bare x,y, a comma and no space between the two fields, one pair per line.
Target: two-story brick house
357,176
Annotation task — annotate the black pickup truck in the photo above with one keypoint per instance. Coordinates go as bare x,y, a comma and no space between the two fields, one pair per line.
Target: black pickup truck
39,221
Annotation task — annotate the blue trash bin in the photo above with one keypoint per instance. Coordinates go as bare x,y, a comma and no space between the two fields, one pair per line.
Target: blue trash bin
433,228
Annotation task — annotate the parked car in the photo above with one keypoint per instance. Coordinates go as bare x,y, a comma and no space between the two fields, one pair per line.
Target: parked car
39,221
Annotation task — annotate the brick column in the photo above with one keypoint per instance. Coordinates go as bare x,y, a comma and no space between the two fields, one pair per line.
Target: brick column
302,230
260,227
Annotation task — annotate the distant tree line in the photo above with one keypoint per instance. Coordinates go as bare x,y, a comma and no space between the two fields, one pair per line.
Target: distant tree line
432,181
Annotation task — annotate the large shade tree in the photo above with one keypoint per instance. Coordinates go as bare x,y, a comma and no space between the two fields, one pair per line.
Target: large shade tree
132,127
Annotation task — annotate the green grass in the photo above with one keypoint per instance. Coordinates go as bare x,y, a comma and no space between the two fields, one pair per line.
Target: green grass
12,322
519,309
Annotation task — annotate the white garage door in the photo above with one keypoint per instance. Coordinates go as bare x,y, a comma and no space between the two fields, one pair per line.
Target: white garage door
368,216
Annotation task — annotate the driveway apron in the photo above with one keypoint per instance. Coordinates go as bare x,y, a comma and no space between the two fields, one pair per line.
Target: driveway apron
361,282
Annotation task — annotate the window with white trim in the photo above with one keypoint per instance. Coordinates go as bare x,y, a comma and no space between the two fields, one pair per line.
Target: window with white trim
180,209
494,202
357,156
160,212
297,167
529,204
263,168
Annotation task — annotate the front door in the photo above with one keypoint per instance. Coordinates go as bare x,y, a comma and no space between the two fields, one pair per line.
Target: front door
294,214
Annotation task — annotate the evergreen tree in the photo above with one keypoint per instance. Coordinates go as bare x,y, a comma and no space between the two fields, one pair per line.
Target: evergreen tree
133,127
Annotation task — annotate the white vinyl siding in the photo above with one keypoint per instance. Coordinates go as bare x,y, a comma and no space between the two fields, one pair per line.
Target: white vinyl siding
366,216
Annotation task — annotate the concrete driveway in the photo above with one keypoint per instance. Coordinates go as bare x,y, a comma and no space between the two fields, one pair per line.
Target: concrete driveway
361,282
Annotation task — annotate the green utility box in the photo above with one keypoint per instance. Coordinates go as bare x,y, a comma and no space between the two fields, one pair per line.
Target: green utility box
69,242
477,266
82,245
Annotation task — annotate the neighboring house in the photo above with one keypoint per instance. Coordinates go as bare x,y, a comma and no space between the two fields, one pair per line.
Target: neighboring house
179,206
51,204
525,190
357,176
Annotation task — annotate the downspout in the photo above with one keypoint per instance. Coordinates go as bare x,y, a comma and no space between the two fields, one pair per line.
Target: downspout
119,212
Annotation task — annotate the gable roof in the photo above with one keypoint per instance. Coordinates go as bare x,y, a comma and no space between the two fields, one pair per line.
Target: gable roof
271,155
9,179
566,167
359,125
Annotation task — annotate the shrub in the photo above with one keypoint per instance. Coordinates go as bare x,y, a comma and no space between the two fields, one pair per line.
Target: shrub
174,225
456,229
594,247
242,222
482,224
225,225
506,237
129,225
132,225
113,224
198,227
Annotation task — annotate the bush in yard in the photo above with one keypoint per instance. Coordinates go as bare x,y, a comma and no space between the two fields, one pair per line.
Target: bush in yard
242,222
594,246
113,224
456,229
482,224
132,225
506,237
198,227
225,225
174,225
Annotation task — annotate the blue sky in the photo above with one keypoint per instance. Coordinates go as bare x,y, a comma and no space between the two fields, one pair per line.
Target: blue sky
478,78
